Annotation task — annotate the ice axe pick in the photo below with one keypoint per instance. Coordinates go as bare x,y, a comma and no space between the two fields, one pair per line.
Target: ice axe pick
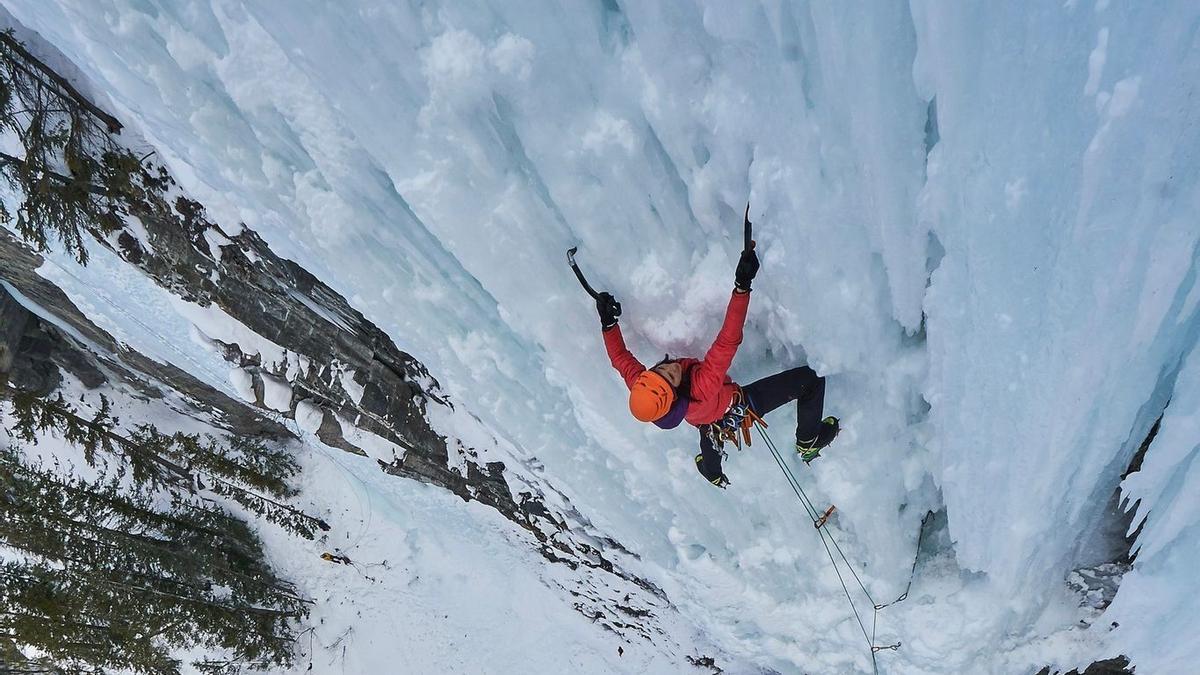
579,273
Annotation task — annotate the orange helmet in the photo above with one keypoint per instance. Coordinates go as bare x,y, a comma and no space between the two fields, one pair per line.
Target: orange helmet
651,396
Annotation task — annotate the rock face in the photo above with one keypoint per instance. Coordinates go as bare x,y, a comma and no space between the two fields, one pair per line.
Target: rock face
275,298
1117,666
63,338
332,366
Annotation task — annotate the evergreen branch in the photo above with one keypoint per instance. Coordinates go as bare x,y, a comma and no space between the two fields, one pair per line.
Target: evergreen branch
104,430
6,158
89,565
114,126
264,612
23,615
312,520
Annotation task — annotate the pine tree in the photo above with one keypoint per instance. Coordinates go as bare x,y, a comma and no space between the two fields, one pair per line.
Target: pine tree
234,472
117,571
71,174
113,581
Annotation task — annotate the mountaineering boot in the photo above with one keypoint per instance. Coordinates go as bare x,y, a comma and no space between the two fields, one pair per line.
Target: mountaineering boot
715,477
811,449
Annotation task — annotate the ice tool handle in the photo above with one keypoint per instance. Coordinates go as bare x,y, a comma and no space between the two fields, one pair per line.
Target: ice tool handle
579,273
748,242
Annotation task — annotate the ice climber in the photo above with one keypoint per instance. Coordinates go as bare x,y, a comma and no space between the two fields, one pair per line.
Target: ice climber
701,392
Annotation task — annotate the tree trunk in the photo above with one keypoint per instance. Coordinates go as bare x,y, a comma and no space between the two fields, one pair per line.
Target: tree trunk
114,127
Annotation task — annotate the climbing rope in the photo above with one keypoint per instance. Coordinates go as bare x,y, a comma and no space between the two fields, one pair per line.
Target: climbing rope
830,544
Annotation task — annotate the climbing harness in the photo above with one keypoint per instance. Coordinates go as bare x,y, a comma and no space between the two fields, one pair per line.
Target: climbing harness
734,427
830,544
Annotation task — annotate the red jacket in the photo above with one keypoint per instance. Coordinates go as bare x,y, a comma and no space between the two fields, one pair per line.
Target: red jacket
711,390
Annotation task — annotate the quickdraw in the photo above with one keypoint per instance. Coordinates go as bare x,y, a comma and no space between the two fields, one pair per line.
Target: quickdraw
735,426
820,522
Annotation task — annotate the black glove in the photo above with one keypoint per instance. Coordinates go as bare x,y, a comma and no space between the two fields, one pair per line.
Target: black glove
609,309
747,267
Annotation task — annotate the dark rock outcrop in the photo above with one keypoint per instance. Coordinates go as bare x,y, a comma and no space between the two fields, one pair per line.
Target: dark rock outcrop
1117,666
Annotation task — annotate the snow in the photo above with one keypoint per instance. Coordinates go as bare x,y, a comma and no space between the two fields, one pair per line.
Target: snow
129,306
1001,299
373,445
138,230
216,324
436,585
277,393
308,416
216,241
243,384
346,379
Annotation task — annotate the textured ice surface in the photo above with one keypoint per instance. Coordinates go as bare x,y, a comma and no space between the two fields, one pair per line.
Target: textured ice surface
1156,605
432,161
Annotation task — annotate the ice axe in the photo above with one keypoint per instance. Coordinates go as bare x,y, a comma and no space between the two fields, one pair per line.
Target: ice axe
748,243
579,273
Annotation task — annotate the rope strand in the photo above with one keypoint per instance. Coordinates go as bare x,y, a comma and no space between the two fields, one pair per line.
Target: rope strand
827,538
813,515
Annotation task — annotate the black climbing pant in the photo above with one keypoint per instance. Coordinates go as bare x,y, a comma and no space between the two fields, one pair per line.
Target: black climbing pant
801,385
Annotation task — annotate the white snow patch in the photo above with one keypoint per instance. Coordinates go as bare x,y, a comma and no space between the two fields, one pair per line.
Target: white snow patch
277,393
607,130
216,241
372,444
309,416
243,384
138,230
1014,193
454,56
1124,95
216,324
354,389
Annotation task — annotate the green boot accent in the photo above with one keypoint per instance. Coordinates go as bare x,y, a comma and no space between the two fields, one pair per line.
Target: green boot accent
811,449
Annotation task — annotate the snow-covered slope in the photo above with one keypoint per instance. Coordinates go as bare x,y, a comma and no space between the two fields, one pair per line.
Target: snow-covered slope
978,221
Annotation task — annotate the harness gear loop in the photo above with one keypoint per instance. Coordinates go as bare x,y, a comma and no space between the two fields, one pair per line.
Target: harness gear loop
734,427
749,421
